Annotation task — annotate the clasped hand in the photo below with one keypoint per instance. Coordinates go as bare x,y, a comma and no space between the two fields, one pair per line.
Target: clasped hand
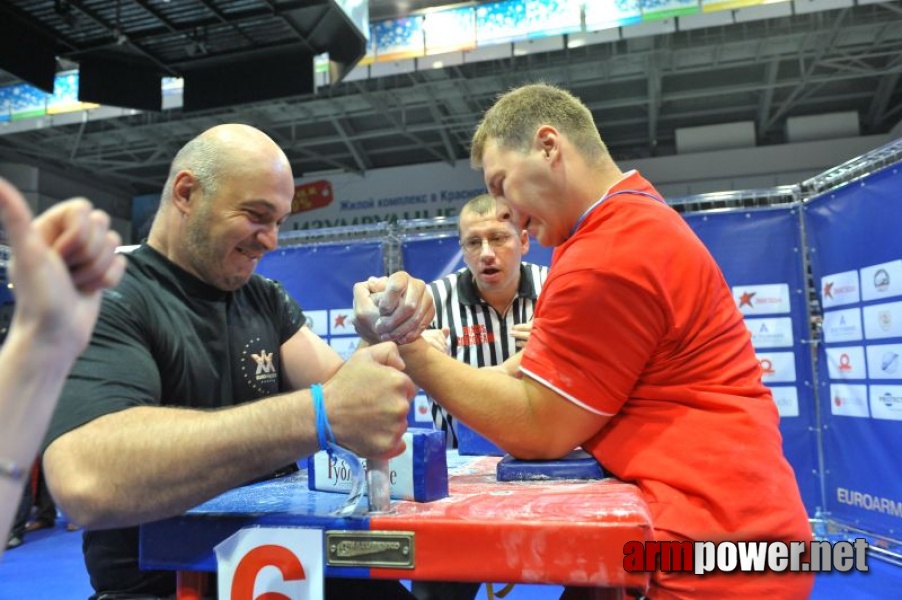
396,308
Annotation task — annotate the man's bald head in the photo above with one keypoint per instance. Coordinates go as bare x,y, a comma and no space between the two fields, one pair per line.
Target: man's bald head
225,150
229,189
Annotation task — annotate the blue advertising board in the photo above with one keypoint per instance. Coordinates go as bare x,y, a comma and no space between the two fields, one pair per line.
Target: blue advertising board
760,254
856,263
321,278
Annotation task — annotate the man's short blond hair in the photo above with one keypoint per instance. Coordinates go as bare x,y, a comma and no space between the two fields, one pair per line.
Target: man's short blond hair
516,116
483,204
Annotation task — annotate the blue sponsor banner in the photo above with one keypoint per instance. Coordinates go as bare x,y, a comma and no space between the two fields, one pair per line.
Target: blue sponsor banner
759,252
431,258
856,263
321,278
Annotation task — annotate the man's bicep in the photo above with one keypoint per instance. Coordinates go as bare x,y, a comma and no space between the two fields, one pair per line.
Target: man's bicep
308,359
568,423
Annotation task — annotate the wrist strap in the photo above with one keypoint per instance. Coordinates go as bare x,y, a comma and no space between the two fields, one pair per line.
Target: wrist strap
324,434
327,442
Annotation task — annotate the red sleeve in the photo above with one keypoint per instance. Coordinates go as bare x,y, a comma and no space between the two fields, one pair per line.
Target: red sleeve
593,335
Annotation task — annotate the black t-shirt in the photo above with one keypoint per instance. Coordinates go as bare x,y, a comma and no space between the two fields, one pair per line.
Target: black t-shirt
165,338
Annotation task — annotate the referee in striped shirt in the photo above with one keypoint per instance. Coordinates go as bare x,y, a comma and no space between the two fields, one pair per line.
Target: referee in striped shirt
483,312
483,315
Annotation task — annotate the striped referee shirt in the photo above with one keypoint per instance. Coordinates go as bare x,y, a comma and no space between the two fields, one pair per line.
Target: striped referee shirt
479,335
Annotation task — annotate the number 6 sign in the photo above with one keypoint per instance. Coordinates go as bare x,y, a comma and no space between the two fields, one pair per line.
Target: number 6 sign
271,563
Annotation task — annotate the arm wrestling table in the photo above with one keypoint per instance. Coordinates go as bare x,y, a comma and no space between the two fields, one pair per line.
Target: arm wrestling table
556,532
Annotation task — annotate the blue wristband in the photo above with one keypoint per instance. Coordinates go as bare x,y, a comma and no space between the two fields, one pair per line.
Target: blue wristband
323,430
326,441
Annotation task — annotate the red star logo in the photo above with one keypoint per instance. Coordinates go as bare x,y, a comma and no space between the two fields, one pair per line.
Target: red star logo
746,299
340,321
828,289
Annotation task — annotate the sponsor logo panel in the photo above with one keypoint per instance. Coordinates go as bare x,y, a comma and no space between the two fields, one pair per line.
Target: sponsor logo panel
787,400
846,362
770,332
849,400
886,402
840,288
421,411
318,321
345,346
881,281
883,320
842,325
768,299
340,322
777,367
885,361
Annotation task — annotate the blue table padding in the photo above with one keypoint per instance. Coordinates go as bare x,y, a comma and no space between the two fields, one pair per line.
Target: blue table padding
578,464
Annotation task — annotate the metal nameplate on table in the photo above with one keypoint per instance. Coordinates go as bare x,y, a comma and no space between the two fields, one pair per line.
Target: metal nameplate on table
391,549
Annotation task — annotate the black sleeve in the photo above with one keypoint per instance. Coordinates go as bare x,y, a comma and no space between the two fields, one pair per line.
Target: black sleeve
116,371
290,316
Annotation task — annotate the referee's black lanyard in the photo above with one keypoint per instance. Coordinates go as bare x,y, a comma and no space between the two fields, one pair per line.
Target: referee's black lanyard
611,195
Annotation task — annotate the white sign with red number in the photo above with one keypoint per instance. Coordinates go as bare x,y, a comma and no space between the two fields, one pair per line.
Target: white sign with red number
277,563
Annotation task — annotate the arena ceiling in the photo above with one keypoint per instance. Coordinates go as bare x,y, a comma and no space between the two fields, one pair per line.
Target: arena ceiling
641,89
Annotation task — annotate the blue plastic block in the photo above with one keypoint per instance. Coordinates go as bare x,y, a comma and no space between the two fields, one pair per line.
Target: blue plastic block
420,473
578,464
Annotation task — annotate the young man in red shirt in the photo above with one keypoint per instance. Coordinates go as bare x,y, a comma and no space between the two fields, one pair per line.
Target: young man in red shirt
637,353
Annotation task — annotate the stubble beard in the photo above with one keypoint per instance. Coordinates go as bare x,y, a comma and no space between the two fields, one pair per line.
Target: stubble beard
204,256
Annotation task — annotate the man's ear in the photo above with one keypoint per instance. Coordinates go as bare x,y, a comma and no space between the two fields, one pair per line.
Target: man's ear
524,241
547,140
183,187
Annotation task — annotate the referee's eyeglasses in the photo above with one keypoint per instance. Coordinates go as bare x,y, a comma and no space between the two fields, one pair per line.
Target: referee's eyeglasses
496,239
